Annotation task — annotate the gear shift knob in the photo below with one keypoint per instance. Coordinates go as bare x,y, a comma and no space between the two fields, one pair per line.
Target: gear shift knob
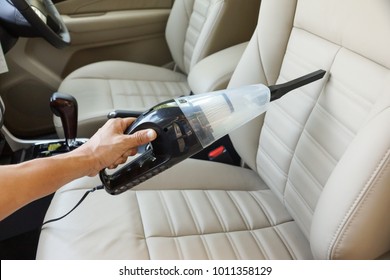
65,106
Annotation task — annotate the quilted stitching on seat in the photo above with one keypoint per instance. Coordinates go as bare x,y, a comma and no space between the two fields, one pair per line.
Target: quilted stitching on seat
194,30
144,94
240,222
320,132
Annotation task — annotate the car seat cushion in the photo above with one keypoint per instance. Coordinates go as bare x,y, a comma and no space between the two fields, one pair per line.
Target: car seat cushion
115,85
241,221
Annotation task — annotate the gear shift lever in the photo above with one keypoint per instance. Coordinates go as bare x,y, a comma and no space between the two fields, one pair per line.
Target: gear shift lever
65,106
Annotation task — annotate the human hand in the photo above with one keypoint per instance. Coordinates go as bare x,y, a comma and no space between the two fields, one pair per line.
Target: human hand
109,146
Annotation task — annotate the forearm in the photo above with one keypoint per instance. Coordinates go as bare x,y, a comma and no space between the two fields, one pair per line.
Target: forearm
28,181
109,147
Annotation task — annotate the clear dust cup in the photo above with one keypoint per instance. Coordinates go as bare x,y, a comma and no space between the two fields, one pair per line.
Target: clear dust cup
215,114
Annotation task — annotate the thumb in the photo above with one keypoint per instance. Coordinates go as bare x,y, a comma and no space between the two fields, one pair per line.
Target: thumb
143,136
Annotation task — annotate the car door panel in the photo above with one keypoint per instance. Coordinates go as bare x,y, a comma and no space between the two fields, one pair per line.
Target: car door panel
91,6
135,35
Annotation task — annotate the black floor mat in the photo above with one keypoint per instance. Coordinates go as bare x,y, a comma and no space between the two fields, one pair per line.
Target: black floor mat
20,247
19,233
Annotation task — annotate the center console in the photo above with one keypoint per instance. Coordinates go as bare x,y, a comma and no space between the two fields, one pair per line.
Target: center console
62,105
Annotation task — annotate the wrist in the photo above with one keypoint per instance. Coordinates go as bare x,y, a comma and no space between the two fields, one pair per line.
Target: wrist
82,162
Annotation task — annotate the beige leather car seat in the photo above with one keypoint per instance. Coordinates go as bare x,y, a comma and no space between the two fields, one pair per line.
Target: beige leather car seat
195,29
318,178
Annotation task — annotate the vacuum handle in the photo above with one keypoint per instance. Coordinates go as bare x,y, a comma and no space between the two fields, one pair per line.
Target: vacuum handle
124,114
137,171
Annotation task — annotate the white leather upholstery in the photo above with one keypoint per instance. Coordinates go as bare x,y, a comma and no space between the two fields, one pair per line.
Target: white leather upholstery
215,71
104,86
319,181
307,137
195,29
198,217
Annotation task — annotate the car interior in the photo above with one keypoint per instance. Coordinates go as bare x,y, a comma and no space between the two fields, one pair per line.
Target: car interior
307,179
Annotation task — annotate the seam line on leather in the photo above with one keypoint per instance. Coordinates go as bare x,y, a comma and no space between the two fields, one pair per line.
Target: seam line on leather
304,124
238,208
186,56
182,86
167,213
309,174
264,155
337,121
349,92
111,93
206,246
215,20
178,248
141,95
222,232
321,110
232,245
285,242
358,203
263,208
143,225
272,161
191,210
259,245
277,106
260,58
269,182
277,138
155,90
321,148
221,222
304,127
299,195
297,218
268,161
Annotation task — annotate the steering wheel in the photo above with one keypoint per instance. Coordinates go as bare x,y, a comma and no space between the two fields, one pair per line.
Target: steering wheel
44,17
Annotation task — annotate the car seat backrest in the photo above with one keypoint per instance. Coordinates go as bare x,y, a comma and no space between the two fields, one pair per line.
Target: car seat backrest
324,148
198,28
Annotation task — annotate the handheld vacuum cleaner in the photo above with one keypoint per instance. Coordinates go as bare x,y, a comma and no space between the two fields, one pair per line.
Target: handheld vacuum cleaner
186,125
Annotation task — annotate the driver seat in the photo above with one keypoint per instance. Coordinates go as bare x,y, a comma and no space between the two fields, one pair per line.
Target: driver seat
316,181
195,29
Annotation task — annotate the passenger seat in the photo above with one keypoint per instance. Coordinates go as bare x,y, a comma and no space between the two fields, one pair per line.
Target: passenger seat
195,29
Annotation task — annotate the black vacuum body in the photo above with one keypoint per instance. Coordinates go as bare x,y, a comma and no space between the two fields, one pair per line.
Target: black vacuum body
175,142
